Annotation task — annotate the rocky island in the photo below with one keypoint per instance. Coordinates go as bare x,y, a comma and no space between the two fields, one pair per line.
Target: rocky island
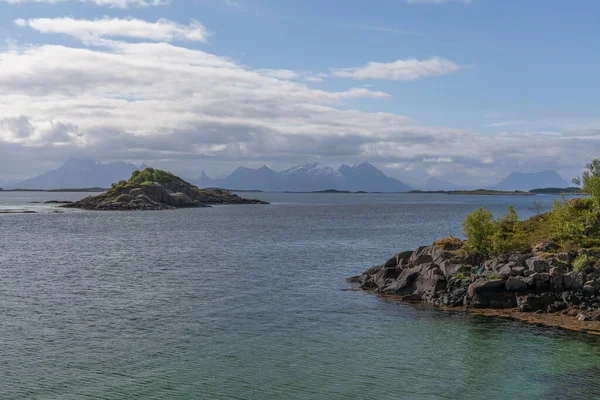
545,269
154,189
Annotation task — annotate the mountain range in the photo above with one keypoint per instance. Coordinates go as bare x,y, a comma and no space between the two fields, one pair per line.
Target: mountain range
77,174
529,181
307,178
435,183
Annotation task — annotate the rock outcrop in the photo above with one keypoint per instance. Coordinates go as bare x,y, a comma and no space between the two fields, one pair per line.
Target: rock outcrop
527,282
168,192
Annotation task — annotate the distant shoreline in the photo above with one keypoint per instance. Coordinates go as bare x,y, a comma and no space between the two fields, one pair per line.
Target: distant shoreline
477,192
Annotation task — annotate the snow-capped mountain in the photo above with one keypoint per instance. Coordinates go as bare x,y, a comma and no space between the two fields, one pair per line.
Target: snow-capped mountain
307,178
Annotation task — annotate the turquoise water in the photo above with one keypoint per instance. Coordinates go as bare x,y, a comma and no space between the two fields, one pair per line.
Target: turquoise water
248,302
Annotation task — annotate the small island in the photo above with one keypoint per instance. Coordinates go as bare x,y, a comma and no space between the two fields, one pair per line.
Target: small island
543,270
154,189
476,192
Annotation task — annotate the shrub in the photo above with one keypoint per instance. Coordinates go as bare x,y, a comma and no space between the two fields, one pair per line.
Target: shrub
538,207
565,220
584,261
590,180
449,243
479,227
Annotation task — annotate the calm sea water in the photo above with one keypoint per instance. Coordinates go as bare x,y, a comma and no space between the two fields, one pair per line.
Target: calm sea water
246,302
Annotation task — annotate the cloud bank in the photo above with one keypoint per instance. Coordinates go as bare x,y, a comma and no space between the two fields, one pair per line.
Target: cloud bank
135,94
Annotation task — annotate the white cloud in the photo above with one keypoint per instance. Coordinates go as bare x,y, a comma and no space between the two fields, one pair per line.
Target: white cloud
90,31
162,102
443,160
108,3
401,70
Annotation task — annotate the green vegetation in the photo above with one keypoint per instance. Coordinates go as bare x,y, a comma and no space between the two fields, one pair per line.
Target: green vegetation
479,228
492,277
585,261
590,180
461,276
148,177
153,175
569,190
450,243
538,206
570,225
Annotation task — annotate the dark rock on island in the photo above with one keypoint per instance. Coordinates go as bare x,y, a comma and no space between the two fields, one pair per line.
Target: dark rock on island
153,189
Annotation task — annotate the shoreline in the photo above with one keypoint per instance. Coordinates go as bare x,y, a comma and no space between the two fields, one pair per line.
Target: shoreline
547,320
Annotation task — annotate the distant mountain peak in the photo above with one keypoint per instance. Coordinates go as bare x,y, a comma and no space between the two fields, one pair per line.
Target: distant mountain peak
313,176
78,173
531,180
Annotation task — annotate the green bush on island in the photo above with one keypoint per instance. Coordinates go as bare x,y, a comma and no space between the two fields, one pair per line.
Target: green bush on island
572,224
148,177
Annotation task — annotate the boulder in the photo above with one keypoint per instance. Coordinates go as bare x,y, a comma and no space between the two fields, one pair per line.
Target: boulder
449,269
518,270
540,280
557,278
537,264
516,284
506,271
403,257
424,280
532,302
495,264
426,254
490,294
583,317
519,258
589,289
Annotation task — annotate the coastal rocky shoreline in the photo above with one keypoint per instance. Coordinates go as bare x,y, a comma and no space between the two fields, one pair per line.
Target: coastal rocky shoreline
535,286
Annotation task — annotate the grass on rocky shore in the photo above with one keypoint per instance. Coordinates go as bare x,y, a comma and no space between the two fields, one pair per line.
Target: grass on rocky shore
571,225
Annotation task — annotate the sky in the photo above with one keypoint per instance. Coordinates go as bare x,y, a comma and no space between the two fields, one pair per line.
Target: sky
462,90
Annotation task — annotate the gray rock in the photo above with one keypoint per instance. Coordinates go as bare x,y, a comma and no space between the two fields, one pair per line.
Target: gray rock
490,293
540,280
424,280
537,264
449,269
516,284
518,270
519,258
426,254
589,290
583,317
572,280
494,264
506,271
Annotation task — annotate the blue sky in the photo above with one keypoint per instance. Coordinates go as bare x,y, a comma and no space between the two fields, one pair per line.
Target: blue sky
465,91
